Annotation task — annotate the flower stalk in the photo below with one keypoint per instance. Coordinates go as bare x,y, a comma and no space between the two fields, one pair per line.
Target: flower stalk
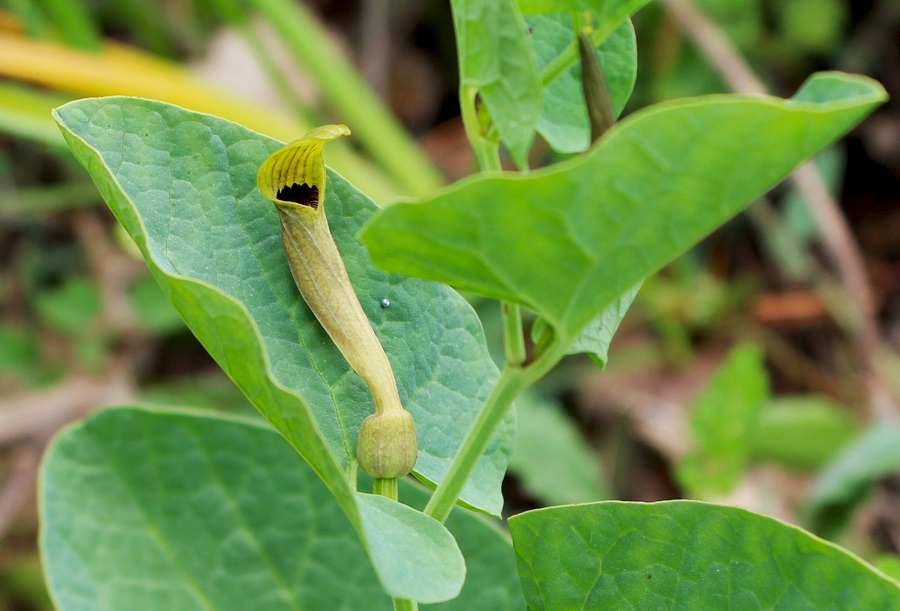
293,177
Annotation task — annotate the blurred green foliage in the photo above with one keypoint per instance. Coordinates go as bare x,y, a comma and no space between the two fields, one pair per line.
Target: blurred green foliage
811,25
71,307
723,420
551,458
848,480
802,432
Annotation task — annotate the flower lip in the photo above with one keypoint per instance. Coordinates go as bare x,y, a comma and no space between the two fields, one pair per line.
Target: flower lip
303,194
294,175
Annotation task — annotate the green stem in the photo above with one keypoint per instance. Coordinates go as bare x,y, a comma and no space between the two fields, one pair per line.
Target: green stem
351,96
567,58
487,153
386,487
514,378
403,604
514,339
512,381
389,488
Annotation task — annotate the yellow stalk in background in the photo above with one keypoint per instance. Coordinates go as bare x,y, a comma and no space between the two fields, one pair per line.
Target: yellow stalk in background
123,70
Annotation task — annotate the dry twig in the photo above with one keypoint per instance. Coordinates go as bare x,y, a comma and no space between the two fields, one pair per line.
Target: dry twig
375,45
20,484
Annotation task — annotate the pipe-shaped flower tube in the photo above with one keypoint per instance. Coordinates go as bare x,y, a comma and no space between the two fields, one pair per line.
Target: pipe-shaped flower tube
293,177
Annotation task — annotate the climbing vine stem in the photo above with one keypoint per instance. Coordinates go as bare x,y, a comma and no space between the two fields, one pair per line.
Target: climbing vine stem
512,381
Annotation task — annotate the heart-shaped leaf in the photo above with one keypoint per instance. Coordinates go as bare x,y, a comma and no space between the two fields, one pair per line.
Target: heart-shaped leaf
685,555
184,186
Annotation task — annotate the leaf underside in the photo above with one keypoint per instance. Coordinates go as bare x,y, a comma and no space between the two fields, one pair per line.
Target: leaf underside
569,240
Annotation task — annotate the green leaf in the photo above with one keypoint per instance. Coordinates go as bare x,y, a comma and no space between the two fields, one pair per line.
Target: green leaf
564,120
184,186
567,241
611,11
846,481
723,421
402,539
496,59
90,351
685,555
145,509
802,432
551,458
597,336
889,564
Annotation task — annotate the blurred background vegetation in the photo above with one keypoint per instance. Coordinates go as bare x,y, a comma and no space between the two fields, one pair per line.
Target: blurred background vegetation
761,369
